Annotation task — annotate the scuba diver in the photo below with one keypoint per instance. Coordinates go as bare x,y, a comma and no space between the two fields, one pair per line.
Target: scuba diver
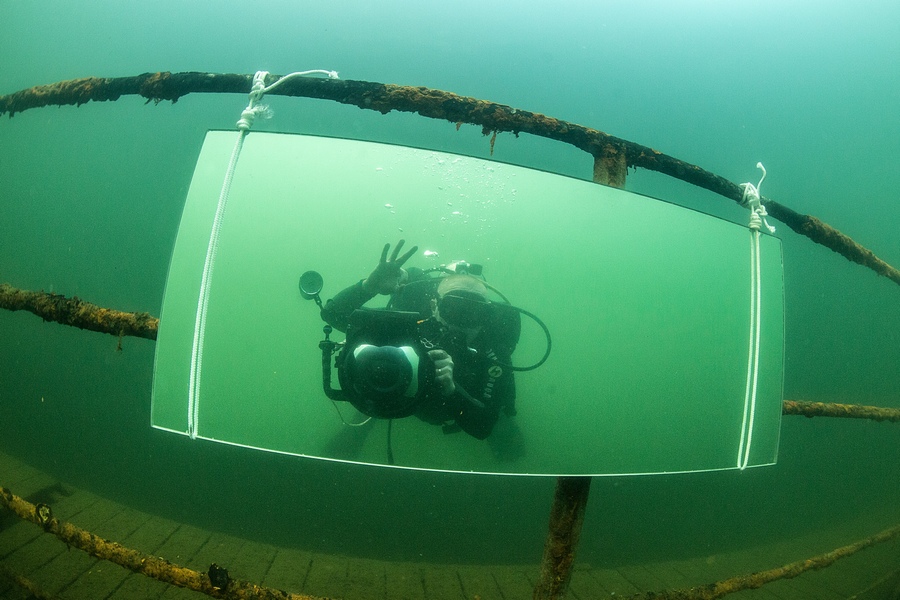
467,378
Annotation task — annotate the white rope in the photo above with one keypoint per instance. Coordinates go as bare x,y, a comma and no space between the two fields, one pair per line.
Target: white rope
751,199
248,116
329,74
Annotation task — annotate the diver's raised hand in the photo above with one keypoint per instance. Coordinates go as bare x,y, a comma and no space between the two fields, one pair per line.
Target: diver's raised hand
388,275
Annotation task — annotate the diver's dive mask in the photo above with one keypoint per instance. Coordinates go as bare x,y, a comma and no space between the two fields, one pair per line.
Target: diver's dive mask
464,309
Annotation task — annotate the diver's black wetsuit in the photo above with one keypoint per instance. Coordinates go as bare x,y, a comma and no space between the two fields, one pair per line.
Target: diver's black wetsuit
475,367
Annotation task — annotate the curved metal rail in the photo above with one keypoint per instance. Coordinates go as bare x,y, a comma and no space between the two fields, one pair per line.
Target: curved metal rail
612,156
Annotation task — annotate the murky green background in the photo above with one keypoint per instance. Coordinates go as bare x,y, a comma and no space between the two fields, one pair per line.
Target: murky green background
90,200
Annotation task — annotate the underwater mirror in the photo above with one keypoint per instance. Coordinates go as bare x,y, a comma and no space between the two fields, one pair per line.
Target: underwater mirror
648,305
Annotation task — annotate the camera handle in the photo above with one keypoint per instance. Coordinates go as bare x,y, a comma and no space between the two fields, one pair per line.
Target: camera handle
328,348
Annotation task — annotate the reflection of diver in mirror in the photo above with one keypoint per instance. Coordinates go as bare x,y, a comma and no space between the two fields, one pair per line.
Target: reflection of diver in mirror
464,381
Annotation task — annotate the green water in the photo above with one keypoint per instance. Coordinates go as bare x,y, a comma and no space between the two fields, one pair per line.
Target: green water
91,199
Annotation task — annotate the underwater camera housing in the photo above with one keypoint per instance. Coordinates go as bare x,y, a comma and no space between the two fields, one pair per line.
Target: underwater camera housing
382,365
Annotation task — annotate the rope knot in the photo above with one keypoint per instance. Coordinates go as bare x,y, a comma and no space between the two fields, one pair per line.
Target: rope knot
259,89
249,114
752,200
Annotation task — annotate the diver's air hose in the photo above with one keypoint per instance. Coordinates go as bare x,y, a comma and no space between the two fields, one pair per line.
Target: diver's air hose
537,320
